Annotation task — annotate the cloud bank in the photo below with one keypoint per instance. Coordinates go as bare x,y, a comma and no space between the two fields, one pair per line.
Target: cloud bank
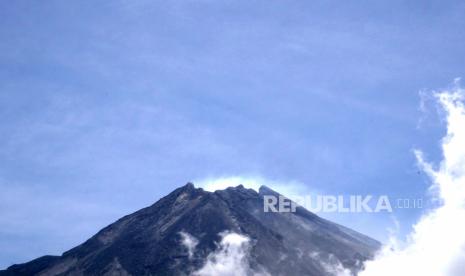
437,244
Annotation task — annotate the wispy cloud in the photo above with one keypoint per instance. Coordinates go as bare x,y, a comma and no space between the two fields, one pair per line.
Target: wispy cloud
188,241
230,258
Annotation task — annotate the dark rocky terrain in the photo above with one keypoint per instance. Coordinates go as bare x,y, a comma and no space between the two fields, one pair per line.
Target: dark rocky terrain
148,242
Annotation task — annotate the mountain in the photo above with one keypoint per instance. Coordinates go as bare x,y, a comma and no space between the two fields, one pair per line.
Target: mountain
195,232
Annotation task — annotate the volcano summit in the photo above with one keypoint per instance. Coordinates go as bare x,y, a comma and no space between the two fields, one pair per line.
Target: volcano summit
226,232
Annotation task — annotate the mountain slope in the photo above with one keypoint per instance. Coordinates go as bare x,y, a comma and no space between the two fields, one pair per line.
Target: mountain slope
148,242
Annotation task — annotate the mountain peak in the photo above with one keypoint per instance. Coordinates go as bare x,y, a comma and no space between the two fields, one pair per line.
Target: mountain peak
149,241
189,186
265,190
237,192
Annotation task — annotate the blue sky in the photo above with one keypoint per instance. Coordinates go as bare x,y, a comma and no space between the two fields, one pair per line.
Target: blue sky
106,106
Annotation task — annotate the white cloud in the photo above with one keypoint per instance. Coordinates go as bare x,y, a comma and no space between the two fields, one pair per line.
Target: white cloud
189,242
230,258
331,264
437,244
